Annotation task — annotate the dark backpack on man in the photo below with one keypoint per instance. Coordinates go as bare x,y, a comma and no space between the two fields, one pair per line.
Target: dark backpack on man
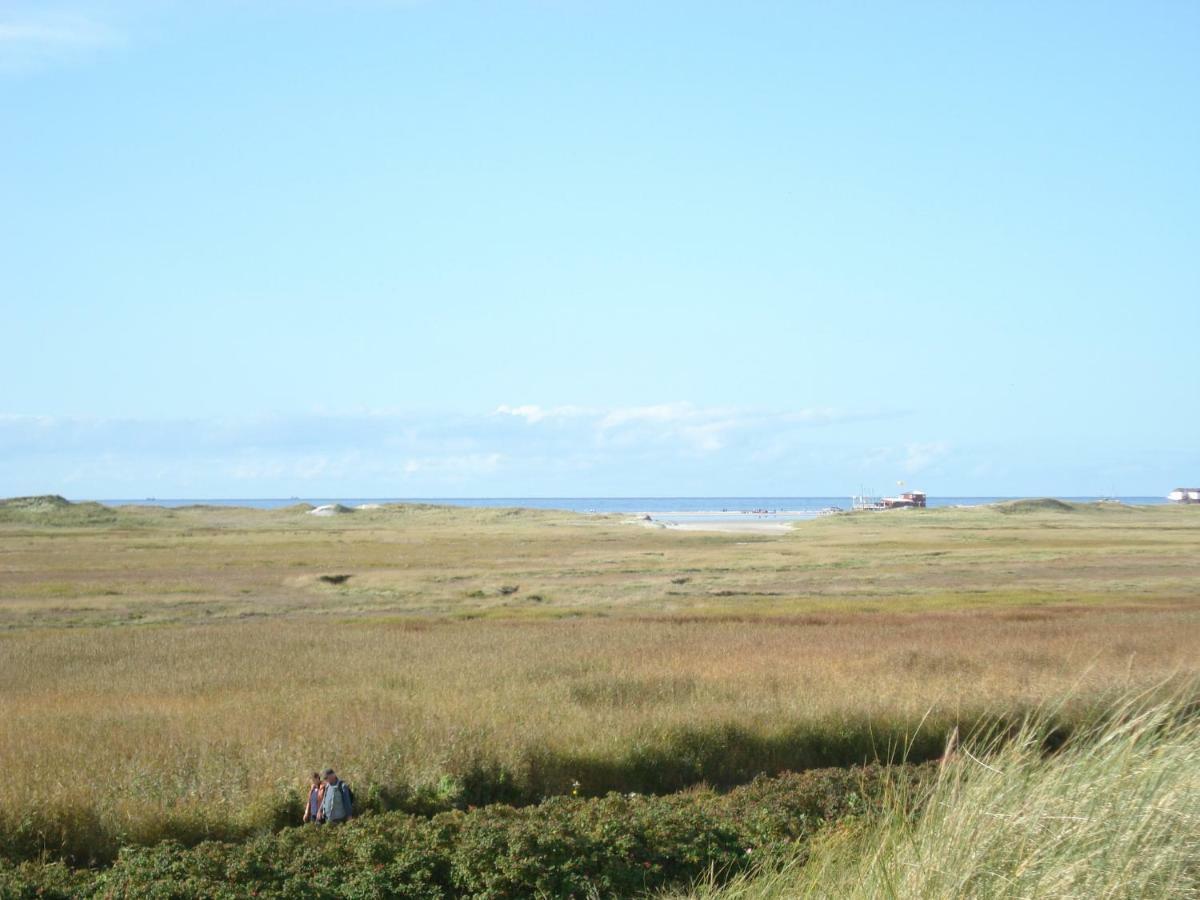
347,798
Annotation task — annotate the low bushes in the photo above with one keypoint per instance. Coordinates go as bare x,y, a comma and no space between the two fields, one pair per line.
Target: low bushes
564,847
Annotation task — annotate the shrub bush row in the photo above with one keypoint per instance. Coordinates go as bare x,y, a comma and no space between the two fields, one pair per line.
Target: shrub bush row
617,845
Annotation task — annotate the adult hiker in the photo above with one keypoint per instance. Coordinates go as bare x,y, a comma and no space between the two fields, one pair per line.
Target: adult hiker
338,803
312,805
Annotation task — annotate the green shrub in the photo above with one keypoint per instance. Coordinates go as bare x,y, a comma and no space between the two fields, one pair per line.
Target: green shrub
616,845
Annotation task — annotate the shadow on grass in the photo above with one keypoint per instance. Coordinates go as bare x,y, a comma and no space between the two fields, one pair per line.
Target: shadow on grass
722,756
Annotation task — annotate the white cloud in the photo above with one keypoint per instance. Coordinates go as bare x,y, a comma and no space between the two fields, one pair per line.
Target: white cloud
696,430
531,450
394,453
664,412
532,413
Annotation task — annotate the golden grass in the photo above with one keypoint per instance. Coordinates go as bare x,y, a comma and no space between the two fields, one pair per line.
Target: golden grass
647,660
213,725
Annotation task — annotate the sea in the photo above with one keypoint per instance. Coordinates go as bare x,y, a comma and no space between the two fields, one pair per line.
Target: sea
682,508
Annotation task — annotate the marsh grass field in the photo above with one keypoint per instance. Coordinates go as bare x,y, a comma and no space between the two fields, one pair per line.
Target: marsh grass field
175,673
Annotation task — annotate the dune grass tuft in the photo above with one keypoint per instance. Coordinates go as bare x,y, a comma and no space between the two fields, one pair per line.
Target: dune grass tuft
1113,813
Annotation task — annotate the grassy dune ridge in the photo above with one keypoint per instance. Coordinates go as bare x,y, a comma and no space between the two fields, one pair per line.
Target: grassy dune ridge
174,673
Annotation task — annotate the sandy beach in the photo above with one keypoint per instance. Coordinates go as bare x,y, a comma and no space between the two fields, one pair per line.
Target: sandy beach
753,527
685,521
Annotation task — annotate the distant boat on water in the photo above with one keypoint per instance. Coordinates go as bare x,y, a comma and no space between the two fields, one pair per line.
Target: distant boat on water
1184,495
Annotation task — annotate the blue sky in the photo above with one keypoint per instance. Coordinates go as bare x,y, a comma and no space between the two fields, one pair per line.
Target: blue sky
563,248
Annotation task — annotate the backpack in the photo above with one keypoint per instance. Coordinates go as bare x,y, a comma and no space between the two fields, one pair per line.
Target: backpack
347,798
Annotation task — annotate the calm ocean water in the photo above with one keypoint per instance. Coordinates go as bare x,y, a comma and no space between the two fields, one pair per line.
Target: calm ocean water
781,508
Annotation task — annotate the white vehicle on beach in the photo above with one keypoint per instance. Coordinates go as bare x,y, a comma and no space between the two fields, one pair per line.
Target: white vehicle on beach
1184,495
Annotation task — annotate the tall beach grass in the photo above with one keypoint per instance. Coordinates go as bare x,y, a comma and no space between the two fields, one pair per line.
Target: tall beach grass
1115,813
